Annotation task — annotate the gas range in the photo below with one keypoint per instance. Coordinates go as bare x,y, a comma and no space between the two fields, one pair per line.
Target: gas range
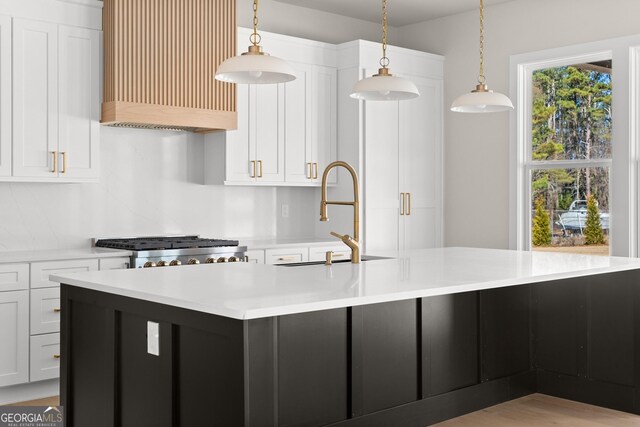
161,251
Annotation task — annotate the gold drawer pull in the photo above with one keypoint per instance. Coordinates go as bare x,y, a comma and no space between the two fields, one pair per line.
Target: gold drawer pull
403,201
56,356
64,162
55,161
315,174
310,174
260,173
288,258
57,310
408,203
252,169
335,255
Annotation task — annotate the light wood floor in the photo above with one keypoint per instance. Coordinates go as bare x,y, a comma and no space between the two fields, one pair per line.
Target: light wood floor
538,410
47,401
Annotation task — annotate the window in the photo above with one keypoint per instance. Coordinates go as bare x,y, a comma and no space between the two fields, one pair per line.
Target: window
569,157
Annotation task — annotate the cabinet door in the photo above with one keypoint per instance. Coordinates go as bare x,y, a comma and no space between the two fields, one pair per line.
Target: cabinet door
14,336
382,189
286,255
420,164
267,131
255,256
5,95
324,118
14,277
40,271
35,98
79,82
240,149
297,125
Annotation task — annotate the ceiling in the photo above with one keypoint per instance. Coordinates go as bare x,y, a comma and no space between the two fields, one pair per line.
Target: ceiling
400,12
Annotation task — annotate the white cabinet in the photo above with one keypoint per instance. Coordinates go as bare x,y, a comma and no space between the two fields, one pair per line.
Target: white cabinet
51,129
44,357
79,97
403,169
286,255
114,263
287,133
319,253
35,98
310,123
40,271
45,310
14,277
14,336
5,96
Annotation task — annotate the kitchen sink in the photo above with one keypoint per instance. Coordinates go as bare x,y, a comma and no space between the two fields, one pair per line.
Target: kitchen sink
362,259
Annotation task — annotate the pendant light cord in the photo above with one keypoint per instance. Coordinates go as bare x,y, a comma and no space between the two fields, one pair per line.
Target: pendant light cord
255,37
384,61
481,78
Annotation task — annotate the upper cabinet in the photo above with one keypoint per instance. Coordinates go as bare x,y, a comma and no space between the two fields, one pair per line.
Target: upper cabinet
286,133
49,94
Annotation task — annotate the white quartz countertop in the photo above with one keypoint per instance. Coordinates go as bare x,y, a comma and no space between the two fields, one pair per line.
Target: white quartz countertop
60,254
249,291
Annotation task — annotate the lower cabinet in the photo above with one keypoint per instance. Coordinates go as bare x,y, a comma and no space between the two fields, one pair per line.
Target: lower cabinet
255,256
114,263
286,255
40,271
320,253
44,357
14,336
45,310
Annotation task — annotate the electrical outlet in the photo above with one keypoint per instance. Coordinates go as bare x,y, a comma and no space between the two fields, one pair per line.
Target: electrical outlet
153,338
285,211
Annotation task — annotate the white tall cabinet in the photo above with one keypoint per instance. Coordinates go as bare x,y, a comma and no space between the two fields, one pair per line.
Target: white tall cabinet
49,91
396,148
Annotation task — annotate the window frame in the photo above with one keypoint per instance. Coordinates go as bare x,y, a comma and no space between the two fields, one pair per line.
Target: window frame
623,166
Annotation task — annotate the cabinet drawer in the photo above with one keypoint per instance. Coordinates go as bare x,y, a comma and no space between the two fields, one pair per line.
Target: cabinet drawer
45,310
114,263
14,277
40,271
286,255
44,357
255,256
320,253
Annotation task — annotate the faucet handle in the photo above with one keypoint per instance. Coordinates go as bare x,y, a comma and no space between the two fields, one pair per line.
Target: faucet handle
339,236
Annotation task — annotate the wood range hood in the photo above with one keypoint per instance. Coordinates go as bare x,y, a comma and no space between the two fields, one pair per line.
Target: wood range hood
160,58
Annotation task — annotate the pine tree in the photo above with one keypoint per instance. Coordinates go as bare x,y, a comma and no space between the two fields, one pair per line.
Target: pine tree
593,231
541,231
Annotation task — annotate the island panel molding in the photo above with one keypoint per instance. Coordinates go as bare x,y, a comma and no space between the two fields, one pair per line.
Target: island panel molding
370,365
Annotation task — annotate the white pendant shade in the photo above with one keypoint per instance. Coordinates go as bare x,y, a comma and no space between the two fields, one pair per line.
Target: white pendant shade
255,69
384,88
482,102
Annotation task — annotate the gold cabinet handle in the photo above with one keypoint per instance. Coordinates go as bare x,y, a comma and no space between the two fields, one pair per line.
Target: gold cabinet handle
64,162
252,169
260,173
55,161
57,310
337,255
56,356
402,208
408,203
288,258
315,175
310,174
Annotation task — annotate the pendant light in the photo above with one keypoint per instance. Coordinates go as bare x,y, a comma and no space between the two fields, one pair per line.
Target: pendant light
384,86
482,99
255,66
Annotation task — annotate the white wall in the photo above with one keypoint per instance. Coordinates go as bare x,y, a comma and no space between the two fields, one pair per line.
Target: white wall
477,146
151,183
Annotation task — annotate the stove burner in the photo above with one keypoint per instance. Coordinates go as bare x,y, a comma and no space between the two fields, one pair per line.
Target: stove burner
159,243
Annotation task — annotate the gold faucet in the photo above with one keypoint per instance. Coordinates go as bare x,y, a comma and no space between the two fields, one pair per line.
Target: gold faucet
352,242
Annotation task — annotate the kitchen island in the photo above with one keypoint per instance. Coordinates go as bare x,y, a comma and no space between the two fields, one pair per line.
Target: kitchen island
409,341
